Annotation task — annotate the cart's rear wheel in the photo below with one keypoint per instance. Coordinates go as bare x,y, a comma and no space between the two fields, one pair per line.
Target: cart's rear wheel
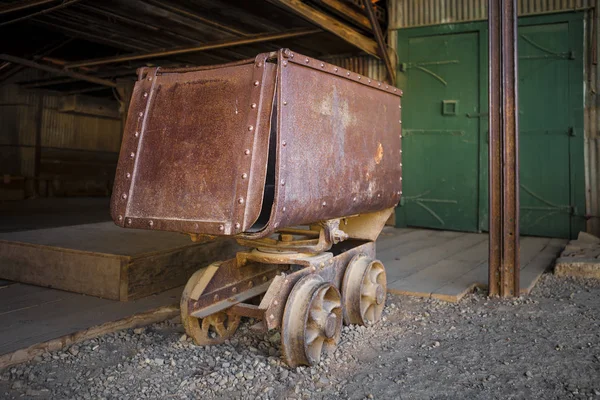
312,321
215,328
364,289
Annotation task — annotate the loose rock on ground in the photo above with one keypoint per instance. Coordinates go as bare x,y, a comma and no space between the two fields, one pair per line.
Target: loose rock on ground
544,346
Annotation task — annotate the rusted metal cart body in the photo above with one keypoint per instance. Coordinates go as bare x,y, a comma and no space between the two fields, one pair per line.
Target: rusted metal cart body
255,150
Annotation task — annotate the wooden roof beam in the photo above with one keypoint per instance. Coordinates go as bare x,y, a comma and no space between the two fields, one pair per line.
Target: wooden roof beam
330,24
348,12
57,71
22,5
222,44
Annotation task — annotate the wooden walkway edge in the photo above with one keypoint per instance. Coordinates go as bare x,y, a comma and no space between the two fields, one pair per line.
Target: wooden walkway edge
134,321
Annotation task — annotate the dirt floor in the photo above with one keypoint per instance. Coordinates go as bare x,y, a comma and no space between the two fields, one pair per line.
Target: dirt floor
545,346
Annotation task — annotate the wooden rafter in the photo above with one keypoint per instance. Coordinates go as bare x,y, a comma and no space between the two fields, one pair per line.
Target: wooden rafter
348,12
330,24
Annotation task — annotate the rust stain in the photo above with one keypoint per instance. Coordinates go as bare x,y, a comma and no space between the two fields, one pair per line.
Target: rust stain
379,155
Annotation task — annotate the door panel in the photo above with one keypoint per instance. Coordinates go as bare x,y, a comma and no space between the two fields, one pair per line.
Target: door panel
548,80
544,129
445,149
441,132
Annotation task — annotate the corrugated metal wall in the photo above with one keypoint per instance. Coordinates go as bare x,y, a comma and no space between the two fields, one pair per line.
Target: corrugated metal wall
18,111
592,120
414,13
365,65
78,131
409,13
69,141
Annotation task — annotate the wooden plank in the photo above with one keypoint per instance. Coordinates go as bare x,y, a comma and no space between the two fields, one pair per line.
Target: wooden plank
74,313
474,255
348,12
539,264
103,237
530,247
4,283
12,293
403,267
425,282
93,274
389,240
79,259
30,352
26,301
394,261
154,273
455,289
330,24
413,241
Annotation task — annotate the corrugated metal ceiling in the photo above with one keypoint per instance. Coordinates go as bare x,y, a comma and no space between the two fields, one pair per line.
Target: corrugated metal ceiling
92,29
409,13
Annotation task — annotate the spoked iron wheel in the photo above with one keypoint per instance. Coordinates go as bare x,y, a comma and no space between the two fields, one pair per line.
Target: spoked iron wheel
364,289
312,321
215,328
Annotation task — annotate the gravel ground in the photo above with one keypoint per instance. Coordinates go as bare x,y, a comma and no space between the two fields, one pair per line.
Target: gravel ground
545,346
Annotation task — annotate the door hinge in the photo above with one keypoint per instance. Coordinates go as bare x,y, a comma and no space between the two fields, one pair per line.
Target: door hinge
571,131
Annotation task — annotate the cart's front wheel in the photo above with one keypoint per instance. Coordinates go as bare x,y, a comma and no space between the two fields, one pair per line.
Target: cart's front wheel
364,289
312,321
215,328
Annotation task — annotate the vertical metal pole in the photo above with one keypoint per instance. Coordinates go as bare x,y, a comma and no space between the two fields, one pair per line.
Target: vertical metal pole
504,263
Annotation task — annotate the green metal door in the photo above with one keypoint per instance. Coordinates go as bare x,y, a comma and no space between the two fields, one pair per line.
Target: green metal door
445,156
440,142
550,128
546,128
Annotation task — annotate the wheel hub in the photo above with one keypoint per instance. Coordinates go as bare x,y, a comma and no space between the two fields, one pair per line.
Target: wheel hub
379,294
330,325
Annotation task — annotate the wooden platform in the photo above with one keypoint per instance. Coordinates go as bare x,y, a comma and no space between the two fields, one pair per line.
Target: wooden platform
447,265
444,265
104,260
37,319
580,258
51,212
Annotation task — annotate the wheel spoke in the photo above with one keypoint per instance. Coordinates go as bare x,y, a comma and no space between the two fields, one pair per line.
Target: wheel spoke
317,318
205,326
370,313
311,335
314,349
329,305
220,328
317,302
374,273
369,291
364,305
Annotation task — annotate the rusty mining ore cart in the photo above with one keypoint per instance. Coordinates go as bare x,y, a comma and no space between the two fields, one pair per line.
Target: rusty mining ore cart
299,160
